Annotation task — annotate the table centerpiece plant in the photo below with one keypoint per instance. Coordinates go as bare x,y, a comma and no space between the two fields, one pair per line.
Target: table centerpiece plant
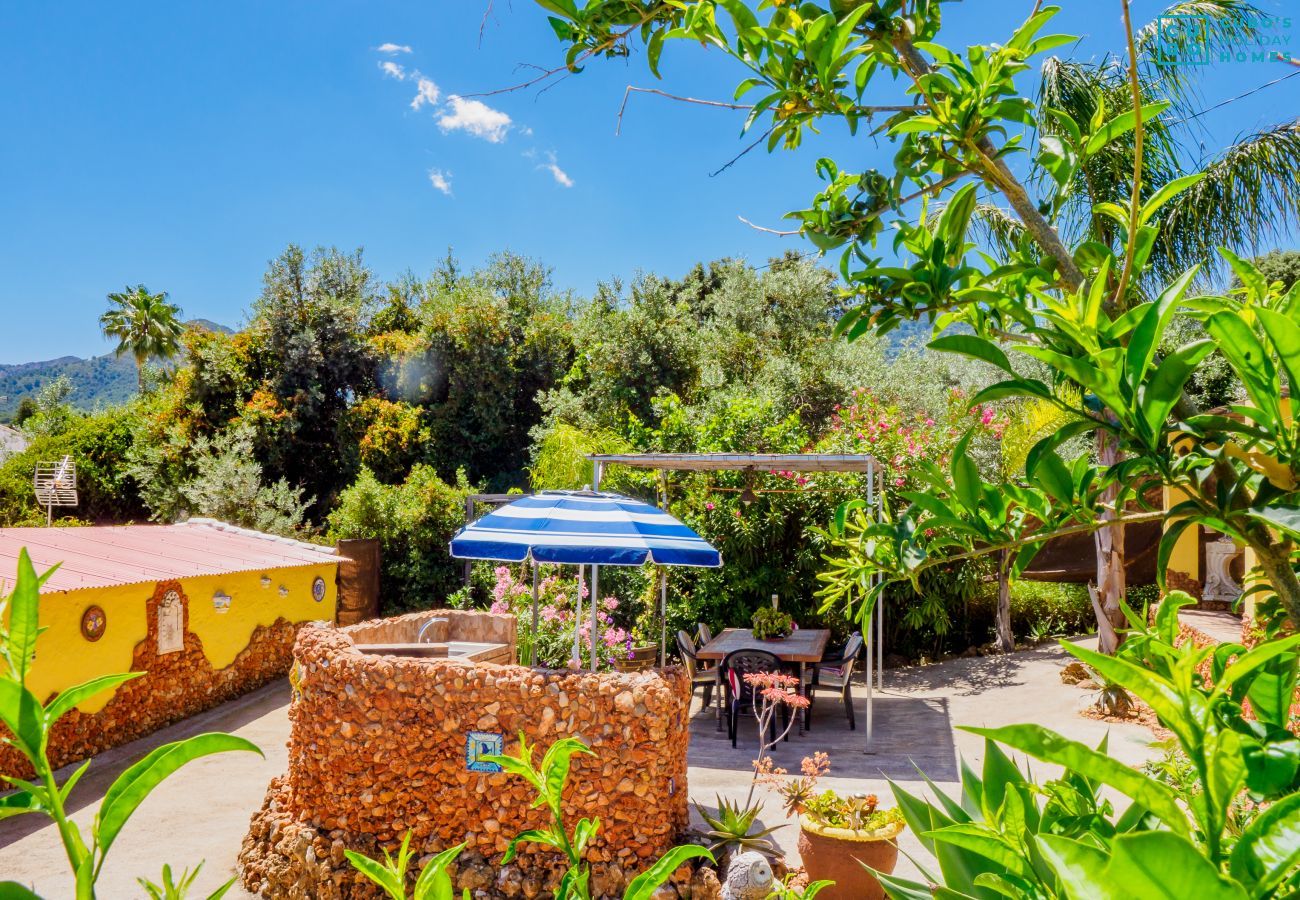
770,624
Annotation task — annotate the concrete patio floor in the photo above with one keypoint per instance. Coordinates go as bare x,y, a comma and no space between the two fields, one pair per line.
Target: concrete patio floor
202,812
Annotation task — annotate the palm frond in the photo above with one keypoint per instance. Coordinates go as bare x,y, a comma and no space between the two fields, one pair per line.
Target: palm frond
1000,228
1250,195
1078,89
1223,26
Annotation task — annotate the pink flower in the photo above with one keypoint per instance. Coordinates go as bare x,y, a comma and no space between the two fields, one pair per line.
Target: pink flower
500,608
987,416
709,505
610,603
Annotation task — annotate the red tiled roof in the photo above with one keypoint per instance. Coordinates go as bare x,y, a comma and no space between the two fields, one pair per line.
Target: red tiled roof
103,556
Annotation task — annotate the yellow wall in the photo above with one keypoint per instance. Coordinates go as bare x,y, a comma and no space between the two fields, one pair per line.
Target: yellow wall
1186,555
65,658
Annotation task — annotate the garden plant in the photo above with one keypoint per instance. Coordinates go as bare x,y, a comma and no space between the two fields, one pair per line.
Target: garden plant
549,778
1011,836
29,724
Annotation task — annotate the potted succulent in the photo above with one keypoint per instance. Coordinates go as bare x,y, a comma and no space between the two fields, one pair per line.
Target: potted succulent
770,624
840,838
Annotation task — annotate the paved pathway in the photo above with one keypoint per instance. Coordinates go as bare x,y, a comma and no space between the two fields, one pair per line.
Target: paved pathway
203,812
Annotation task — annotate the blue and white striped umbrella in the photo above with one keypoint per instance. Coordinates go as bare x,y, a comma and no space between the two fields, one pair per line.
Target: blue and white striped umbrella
583,528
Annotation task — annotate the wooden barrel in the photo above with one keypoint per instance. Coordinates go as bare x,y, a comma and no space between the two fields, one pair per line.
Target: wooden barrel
358,580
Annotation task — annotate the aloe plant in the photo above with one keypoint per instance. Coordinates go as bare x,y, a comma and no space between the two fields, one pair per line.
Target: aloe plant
549,779
30,724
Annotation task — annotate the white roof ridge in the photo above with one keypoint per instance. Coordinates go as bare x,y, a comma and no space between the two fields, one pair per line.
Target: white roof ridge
204,522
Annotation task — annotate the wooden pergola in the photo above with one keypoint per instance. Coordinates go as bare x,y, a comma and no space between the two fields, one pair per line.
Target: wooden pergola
860,463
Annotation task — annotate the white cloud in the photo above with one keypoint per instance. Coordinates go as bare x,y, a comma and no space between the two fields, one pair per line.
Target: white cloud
561,177
393,48
440,180
393,70
475,117
427,91
525,131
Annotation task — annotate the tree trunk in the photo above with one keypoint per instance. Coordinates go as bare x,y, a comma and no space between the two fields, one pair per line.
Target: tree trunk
1110,585
1006,640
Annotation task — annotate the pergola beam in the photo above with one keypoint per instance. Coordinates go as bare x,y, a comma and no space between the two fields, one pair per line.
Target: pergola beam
714,462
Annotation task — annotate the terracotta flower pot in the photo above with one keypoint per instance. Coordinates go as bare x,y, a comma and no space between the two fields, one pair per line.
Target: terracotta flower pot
838,854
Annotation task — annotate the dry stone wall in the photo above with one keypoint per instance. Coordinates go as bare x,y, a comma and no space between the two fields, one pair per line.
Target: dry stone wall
378,747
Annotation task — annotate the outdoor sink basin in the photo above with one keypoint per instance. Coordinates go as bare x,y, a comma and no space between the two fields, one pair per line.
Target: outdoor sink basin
428,651
478,651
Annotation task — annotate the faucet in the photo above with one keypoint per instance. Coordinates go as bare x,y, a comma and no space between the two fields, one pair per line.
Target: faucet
419,639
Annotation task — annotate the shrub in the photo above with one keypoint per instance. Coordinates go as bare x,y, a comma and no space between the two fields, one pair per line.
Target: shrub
413,522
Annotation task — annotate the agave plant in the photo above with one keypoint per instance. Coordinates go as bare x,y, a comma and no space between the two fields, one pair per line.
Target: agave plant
732,828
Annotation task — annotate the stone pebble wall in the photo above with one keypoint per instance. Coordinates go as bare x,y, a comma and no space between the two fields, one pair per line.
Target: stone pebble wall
174,687
377,748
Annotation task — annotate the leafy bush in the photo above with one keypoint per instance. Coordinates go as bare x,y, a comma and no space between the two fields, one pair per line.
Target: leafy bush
413,522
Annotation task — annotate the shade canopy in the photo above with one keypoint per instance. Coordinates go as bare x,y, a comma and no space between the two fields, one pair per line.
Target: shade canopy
583,528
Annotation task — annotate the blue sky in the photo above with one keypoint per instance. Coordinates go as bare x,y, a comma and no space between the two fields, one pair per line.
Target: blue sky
184,145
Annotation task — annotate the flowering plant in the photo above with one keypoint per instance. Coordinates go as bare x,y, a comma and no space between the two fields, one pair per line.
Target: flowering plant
561,607
858,812
903,438
733,827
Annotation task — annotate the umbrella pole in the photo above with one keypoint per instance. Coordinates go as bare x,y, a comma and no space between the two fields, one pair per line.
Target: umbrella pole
663,621
595,601
577,618
871,635
532,653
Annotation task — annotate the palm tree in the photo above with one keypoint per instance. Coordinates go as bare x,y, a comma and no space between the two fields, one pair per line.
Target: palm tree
1250,191
145,325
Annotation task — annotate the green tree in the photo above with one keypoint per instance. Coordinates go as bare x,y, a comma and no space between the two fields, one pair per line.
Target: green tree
958,121
310,359
493,341
1282,266
144,324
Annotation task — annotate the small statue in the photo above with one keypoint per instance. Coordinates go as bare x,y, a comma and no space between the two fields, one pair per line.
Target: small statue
749,877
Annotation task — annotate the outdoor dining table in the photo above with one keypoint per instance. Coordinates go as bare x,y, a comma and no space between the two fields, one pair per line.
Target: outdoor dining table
801,647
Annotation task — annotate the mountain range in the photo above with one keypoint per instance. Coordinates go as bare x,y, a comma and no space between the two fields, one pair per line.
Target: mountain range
97,382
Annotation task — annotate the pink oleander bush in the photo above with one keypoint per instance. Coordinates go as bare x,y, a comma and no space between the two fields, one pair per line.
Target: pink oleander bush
559,603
